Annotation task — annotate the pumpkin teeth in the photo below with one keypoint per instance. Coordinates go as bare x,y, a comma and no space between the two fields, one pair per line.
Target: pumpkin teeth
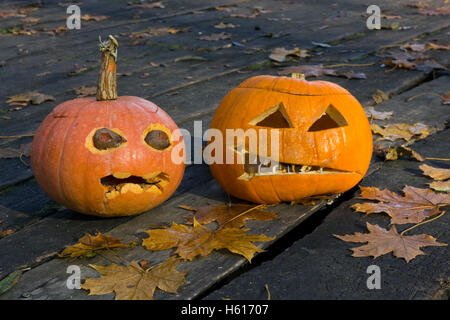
119,183
266,166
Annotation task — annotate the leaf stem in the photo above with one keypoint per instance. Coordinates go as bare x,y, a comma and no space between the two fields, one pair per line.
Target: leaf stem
420,223
242,213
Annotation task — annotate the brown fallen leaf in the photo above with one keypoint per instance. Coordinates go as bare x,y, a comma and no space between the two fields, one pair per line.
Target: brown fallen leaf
406,131
85,91
381,241
395,152
353,75
309,71
435,46
282,54
443,186
446,98
88,17
233,216
223,25
444,11
30,97
199,240
152,5
133,282
379,96
216,36
6,232
415,206
435,173
88,244
378,115
9,153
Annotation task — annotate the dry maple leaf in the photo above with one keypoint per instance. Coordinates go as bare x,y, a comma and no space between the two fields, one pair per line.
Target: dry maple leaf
150,5
443,186
417,204
380,96
216,36
132,282
199,240
435,173
406,131
30,97
88,17
223,25
446,98
381,241
9,153
233,216
281,54
88,244
85,91
378,115
393,153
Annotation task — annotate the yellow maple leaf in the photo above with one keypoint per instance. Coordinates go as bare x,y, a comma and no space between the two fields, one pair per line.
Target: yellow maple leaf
88,244
199,240
132,282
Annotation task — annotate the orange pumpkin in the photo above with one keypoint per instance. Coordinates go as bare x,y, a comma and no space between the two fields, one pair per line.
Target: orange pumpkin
325,141
109,156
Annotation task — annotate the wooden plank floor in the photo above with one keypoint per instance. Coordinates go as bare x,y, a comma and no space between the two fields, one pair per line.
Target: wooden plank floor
189,91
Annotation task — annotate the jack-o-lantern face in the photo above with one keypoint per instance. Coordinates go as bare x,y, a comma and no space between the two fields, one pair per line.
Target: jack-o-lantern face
325,141
107,158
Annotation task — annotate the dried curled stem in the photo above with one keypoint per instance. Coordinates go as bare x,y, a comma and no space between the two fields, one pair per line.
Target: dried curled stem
107,83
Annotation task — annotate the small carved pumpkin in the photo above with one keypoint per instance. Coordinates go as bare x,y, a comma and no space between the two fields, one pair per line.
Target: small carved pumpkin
109,156
325,141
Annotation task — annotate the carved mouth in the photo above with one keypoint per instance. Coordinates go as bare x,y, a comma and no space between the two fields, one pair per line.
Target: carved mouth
266,167
122,182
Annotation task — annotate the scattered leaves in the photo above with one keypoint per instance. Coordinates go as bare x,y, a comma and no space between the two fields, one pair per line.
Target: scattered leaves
415,206
443,186
282,54
435,173
88,17
6,232
381,241
406,131
88,244
223,25
133,282
395,152
199,240
85,91
379,96
10,281
29,97
216,36
233,216
377,115
151,5
9,153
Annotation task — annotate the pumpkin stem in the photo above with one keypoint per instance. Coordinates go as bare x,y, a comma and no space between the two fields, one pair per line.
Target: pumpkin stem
298,76
107,83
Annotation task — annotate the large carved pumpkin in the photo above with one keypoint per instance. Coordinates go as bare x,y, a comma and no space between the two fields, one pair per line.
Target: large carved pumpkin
109,156
325,141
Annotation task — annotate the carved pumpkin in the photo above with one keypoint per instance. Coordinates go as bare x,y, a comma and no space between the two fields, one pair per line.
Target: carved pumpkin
109,156
325,141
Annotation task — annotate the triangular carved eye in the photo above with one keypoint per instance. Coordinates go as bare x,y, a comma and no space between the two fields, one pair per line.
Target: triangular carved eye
330,119
275,117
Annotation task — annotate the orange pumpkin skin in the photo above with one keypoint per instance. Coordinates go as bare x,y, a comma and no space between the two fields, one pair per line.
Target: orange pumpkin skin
69,168
343,151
